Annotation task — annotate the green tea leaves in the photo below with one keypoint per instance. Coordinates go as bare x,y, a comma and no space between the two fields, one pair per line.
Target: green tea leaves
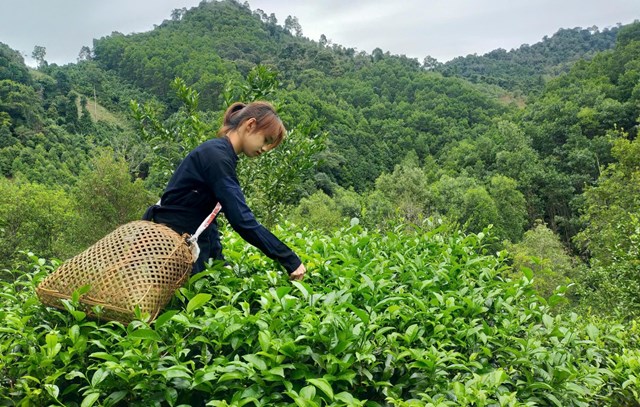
198,301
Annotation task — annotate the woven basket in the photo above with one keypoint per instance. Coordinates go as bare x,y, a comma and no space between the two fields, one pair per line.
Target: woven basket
139,264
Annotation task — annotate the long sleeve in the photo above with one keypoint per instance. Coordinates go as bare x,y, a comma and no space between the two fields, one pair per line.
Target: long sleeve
206,176
227,190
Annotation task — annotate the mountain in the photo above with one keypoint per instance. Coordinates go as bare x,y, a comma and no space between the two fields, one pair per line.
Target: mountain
527,68
375,107
379,111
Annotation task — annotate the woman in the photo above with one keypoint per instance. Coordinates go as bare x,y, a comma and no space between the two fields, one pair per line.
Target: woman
208,175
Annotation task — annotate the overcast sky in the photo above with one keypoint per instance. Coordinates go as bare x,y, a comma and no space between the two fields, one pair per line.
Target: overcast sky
443,29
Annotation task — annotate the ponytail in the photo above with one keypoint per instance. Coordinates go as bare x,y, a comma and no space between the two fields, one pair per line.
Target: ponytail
231,112
266,119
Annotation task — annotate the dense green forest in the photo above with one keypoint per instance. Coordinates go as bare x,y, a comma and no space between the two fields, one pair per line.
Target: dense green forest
531,153
525,70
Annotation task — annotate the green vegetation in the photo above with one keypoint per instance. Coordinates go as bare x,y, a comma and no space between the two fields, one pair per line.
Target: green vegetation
525,69
423,317
471,229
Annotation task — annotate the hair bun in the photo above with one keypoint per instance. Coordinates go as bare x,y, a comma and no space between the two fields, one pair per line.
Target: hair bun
237,107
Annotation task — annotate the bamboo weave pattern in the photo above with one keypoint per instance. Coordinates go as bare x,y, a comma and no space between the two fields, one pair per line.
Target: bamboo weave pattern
139,264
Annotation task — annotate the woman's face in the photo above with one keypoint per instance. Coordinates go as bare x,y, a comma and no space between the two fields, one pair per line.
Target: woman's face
256,142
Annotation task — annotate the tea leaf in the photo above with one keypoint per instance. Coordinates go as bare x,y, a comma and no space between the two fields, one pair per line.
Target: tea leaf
364,317
593,332
323,385
255,361
231,376
53,390
104,356
303,288
308,392
198,301
98,377
145,334
90,399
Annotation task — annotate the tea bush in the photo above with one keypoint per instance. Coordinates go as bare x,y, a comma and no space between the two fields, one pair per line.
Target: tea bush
404,318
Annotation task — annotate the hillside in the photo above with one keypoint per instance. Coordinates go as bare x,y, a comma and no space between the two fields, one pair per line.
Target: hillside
527,68
402,142
373,106
376,109
462,247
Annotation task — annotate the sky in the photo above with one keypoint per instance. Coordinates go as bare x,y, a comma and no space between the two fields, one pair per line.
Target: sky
443,29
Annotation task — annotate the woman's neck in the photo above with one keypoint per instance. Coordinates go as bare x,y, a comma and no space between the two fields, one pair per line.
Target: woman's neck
236,141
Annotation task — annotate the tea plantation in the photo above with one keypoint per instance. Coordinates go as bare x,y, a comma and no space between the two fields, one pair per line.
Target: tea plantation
420,317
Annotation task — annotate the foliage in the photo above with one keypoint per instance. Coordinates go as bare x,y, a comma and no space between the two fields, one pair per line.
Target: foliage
34,216
525,69
106,197
542,252
271,183
418,317
372,109
611,236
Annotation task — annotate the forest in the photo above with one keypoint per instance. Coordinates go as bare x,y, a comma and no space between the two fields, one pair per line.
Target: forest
470,228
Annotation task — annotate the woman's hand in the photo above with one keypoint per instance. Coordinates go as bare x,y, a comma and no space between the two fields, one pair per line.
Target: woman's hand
298,274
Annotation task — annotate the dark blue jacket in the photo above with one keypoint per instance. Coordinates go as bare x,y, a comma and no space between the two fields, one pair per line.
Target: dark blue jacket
206,176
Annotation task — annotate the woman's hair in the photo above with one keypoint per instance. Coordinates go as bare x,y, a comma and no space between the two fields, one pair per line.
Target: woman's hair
266,119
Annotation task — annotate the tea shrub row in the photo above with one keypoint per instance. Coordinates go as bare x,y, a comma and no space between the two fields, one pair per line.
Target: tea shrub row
411,317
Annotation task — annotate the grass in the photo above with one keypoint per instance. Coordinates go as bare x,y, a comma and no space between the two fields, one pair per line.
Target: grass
98,112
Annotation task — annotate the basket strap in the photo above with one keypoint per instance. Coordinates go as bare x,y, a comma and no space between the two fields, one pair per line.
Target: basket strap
205,223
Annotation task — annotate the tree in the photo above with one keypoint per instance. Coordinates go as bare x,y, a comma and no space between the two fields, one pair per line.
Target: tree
407,188
84,54
511,206
12,66
429,63
323,40
292,25
261,15
377,54
610,206
178,13
611,235
34,218
107,197
542,252
276,180
628,34
39,52
21,103
318,211
171,139
478,210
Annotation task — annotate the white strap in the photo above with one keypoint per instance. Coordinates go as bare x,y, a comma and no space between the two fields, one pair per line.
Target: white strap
193,239
205,223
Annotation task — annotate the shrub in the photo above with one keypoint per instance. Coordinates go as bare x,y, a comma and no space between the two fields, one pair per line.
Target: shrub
408,317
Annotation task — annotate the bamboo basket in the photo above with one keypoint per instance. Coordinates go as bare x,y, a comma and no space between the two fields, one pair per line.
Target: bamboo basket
140,264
